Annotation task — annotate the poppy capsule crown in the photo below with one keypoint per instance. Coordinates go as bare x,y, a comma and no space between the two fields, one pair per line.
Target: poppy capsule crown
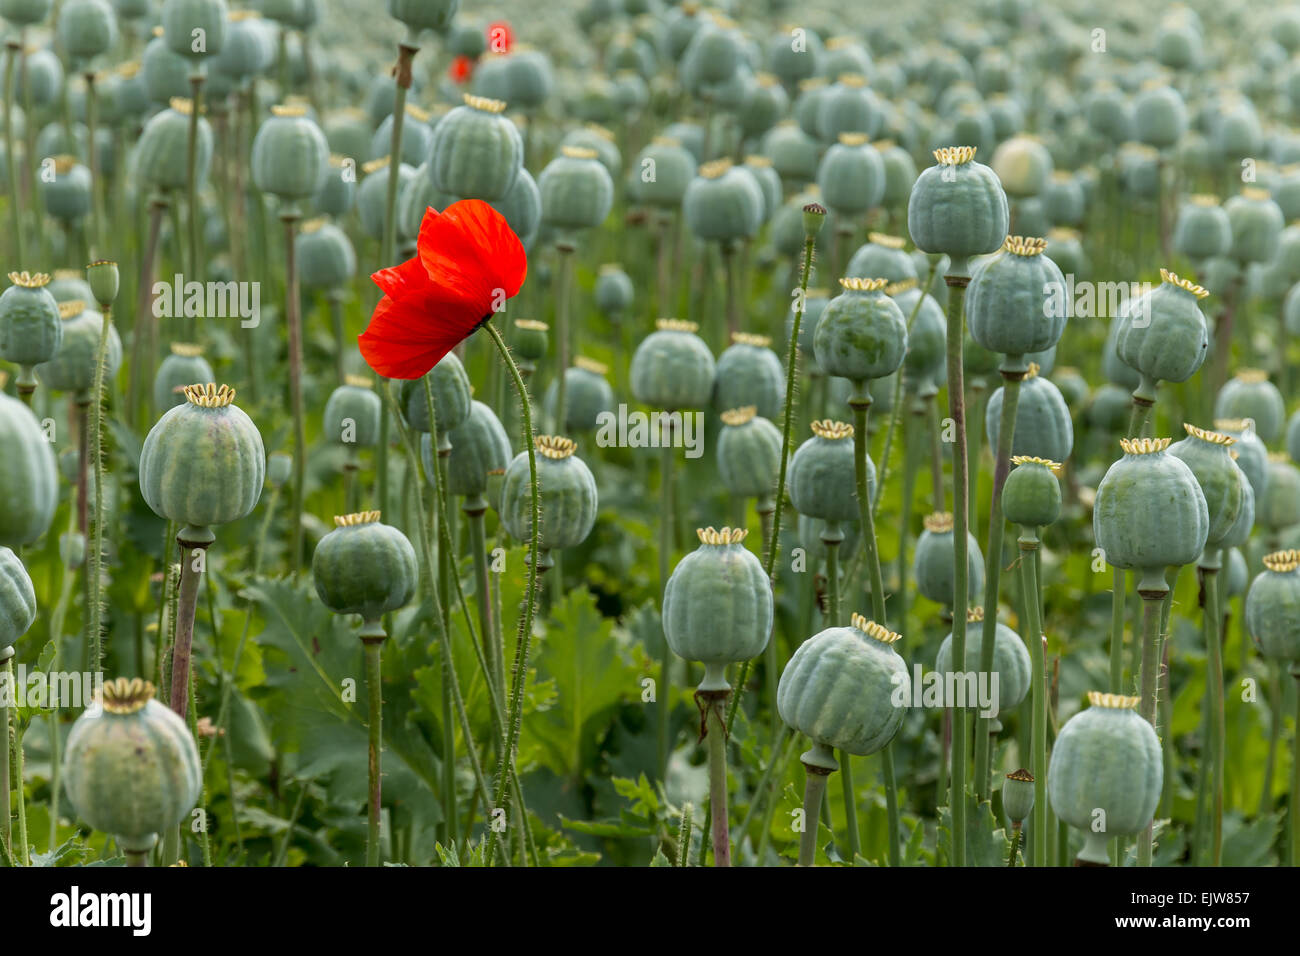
469,262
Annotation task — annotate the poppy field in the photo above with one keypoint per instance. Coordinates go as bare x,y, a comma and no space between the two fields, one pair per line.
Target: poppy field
648,433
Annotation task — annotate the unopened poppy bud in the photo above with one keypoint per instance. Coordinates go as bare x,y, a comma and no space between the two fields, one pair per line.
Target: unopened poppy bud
104,281
814,214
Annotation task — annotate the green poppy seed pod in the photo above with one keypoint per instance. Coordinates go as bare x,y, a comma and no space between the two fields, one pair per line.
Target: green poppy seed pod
1273,608
749,454
926,359
769,183
1252,455
1031,495
839,689
73,367
195,28
1159,116
718,605
712,56
1178,44
793,152
44,79
790,65
185,365
631,92
1064,202
372,201
1237,574
1110,409
290,155
1249,394
614,291
522,208
933,565
339,193
417,137
1150,512
1257,224
348,132
862,333
882,256
588,395
479,446
326,259
1066,250
1106,758
1044,428
567,492
1281,505
87,28
160,153
900,173
28,476
1293,436
1223,484
822,476
25,12
17,599
279,469
1024,166
663,171
576,190
1010,660
1018,795
1202,229
166,73
352,414
67,197
749,373
451,397
1285,190
852,175
847,106
1015,303
248,49
203,462
530,339
673,368
723,203
131,768
765,102
104,279
601,141
957,207
1162,334
477,152
31,330
1117,371
435,15
364,567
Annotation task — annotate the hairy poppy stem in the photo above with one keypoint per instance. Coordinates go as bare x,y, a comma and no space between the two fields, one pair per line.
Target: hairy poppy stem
290,219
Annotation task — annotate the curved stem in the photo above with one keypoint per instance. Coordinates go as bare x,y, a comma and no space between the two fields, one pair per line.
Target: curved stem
993,570
957,409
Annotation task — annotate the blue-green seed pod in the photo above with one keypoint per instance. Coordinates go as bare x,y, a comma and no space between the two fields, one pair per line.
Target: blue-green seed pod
17,599
1106,758
1249,394
614,291
847,106
673,368
1163,334
87,28
44,79
25,12
881,256
31,330
28,476
1044,428
477,152
845,688
822,476
793,152
166,73
749,455
1257,225
352,414
247,51
588,395
567,492
435,15
1223,484
195,28
417,137
576,190
160,154
748,372
1010,660
451,397
1031,495
862,333
73,367
718,605
957,207
723,203
290,155
933,566
1159,116
1202,230
852,175
67,197
900,173
1015,303
1273,608
1280,508
765,102
662,172
326,259
372,194
602,141
364,567
479,445
1018,795
184,365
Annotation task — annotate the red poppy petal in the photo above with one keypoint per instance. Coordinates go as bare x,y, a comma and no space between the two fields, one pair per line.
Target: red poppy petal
403,341
470,246
409,283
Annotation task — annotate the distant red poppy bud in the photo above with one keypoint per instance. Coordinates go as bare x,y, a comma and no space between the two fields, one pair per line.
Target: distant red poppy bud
461,68
470,262
500,37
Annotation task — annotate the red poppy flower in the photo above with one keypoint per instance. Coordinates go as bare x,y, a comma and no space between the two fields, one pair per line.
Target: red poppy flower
470,261
500,37
461,68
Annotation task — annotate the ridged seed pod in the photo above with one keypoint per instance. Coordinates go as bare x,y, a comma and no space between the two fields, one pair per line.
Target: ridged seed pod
195,28
852,175
1044,428
184,365
662,172
87,28
17,599
73,367
567,492
748,372
1015,303
364,567
1010,661
290,155
576,190
881,256
28,476
1249,394
1202,229
587,395
479,445
1223,484
326,259
723,203
861,334
1273,608
749,455
352,414
1031,494
477,152
822,477
451,397
933,566
31,330
957,207
673,368
1163,334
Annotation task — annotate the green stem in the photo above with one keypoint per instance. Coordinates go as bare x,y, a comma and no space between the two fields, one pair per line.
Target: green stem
1015,844
1294,799
564,293
733,293
294,315
188,539
192,188
524,635
1028,542
1214,706
12,48
861,405
142,329
891,803
1138,419
1012,376
6,809
717,734
1118,600
814,790
961,520
492,650
95,558
14,754
1151,602
665,560
374,692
